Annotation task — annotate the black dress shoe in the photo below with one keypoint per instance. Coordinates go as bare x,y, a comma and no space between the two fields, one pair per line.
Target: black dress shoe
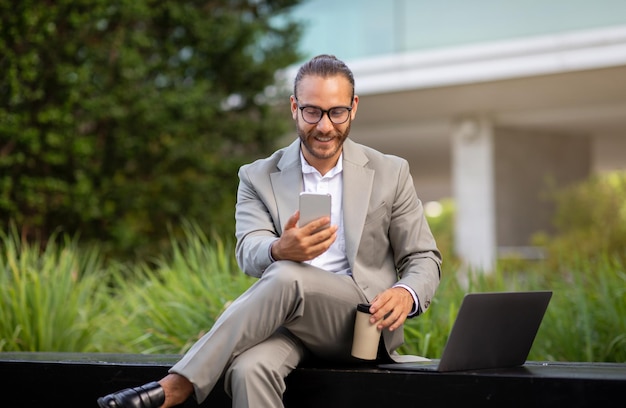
150,395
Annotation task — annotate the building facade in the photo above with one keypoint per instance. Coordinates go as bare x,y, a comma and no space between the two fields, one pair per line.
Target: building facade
493,103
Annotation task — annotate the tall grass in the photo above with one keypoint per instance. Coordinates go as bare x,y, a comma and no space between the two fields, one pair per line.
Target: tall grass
585,320
48,301
65,299
165,308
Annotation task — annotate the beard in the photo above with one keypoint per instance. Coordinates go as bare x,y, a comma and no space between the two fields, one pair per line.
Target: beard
308,138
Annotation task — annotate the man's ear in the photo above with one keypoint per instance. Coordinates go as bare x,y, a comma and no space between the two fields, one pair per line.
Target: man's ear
355,105
294,107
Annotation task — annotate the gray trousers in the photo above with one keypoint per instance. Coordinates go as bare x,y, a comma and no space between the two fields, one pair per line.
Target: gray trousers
261,337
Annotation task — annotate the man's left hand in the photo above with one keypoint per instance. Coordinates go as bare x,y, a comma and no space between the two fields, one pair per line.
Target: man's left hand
391,308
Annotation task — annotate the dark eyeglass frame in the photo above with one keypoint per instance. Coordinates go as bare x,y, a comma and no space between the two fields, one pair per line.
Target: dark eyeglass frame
322,112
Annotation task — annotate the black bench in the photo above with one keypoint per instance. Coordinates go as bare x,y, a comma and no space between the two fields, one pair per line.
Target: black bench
77,380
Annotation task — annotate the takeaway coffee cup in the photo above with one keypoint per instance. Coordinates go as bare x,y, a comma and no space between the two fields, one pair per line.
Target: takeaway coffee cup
366,334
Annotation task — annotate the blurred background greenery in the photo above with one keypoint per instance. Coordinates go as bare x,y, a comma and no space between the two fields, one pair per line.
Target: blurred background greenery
122,125
119,117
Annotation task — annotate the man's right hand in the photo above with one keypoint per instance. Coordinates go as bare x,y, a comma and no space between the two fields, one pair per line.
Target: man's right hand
303,243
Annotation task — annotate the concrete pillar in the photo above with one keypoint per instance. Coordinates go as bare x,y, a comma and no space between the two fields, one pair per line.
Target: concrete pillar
474,194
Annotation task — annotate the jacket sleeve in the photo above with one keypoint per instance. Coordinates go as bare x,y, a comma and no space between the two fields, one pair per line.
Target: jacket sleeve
417,259
254,227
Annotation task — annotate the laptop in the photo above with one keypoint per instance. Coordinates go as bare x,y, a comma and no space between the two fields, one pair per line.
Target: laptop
491,330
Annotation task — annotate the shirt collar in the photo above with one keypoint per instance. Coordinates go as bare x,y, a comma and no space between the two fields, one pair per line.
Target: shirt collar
307,168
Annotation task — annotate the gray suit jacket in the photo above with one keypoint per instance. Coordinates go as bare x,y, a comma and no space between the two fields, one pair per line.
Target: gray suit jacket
388,240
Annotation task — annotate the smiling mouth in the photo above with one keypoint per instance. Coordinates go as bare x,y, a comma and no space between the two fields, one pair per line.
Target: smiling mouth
323,139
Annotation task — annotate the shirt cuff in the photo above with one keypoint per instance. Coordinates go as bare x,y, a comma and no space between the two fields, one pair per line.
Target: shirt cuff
269,252
416,302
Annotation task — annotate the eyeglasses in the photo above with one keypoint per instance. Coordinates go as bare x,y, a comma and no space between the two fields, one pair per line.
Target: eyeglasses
313,114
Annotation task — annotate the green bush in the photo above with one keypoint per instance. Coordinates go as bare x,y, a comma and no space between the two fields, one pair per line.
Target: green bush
590,219
442,226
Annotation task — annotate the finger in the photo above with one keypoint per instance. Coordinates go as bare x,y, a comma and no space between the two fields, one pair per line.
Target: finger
317,225
388,309
396,317
389,315
324,235
292,222
397,322
321,241
381,310
378,304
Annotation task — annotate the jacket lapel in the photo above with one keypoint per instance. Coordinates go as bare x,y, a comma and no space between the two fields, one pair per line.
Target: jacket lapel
357,188
287,183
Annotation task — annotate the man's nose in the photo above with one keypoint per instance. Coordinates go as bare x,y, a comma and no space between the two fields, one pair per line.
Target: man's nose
325,125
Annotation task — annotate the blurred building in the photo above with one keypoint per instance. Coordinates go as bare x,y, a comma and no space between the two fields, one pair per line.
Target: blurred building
494,103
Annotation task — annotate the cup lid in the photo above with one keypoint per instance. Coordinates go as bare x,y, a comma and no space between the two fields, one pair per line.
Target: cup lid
363,307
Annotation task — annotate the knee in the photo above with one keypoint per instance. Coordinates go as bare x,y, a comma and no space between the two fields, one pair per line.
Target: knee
285,272
291,270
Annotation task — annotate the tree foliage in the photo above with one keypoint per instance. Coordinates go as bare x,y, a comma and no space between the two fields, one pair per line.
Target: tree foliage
121,117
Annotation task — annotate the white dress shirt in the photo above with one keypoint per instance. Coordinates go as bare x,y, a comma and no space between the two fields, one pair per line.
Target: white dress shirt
334,259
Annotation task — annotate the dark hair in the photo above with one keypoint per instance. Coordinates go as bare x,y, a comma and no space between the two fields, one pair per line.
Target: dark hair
323,65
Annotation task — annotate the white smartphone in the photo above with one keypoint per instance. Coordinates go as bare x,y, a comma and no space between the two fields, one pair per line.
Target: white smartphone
313,206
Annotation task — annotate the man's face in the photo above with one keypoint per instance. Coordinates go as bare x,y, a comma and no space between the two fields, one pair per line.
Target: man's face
323,141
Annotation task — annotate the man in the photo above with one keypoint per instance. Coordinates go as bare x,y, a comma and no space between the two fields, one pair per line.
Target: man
378,249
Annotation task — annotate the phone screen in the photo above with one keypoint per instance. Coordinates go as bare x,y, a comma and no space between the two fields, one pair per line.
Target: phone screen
313,206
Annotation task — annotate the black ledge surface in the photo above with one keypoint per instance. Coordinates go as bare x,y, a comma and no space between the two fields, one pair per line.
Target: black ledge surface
77,380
